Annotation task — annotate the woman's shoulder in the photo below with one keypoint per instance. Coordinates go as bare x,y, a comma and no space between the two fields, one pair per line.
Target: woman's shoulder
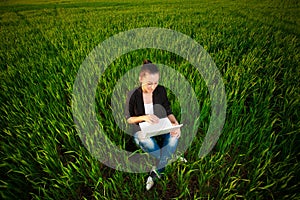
134,92
160,88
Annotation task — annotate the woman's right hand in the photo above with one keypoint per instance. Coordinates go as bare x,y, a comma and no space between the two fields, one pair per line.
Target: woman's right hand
152,119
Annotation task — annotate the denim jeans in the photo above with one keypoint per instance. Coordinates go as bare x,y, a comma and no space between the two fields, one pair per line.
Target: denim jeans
162,154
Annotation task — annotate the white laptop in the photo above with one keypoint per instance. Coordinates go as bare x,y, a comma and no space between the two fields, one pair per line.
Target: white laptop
163,126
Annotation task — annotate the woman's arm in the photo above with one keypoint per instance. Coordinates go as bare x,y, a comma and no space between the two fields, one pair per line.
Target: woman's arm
173,119
165,101
147,118
134,120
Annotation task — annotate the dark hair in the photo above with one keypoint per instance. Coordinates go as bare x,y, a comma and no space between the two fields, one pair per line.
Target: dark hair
148,67
146,61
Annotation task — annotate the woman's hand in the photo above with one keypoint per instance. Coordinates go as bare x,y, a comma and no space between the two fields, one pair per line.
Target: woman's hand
152,119
176,133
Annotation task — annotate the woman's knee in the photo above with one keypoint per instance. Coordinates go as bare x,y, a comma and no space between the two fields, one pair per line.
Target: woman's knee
147,142
173,141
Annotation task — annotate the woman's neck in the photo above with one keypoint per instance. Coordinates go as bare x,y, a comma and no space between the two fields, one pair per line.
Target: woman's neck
147,97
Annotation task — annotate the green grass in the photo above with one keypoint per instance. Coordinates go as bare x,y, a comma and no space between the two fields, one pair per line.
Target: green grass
254,44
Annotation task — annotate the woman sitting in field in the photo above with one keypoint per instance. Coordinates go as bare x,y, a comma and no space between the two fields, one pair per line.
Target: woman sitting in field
146,104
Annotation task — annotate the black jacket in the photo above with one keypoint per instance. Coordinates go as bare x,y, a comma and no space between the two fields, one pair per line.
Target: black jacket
135,104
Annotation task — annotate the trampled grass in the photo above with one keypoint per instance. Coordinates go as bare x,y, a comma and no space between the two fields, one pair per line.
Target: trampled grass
254,44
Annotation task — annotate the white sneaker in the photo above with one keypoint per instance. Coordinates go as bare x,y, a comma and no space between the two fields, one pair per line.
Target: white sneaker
178,158
149,183
182,159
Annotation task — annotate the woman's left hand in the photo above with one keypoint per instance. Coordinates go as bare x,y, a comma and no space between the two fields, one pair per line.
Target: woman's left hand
176,133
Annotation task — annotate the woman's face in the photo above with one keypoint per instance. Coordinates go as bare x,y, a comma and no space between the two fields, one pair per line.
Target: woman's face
149,82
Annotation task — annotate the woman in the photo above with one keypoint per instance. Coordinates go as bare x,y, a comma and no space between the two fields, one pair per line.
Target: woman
148,103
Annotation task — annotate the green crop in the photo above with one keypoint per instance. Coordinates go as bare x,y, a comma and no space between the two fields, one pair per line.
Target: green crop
255,45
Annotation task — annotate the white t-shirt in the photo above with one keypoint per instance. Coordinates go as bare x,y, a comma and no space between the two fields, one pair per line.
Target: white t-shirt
148,108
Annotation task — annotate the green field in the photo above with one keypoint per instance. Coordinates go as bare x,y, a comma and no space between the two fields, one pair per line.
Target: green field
255,45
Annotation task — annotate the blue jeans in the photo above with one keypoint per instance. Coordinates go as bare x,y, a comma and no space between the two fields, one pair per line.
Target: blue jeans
162,154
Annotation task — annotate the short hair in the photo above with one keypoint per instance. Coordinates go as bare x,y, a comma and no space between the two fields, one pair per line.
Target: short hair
148,67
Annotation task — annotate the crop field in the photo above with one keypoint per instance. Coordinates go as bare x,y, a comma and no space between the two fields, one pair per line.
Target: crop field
255,46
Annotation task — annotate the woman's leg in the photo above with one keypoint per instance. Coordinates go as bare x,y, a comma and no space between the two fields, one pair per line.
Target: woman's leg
148,145
167,151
